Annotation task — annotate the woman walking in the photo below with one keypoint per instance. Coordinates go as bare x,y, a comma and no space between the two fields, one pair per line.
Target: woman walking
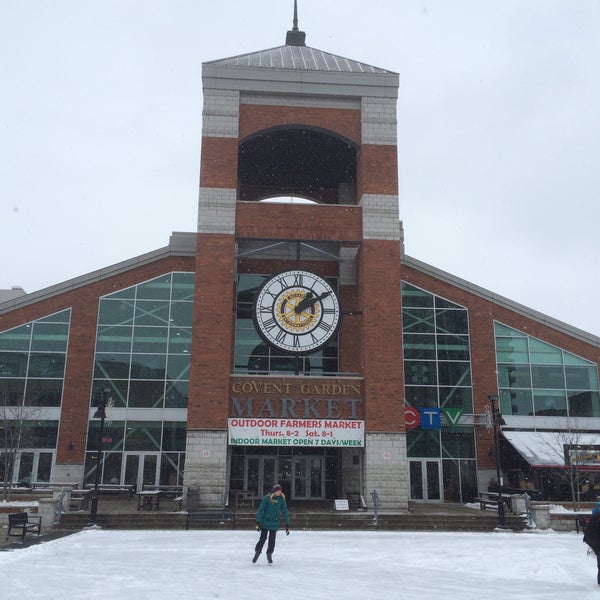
272,507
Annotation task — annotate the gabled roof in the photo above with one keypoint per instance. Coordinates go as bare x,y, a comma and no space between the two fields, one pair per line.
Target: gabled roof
294,57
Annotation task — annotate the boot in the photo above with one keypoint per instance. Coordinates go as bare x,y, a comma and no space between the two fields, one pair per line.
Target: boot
270,558
256,555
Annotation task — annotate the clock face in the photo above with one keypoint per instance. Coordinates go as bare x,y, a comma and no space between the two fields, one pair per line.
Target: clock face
296,311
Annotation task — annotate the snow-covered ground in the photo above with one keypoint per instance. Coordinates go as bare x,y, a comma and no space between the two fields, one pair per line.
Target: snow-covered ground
150,565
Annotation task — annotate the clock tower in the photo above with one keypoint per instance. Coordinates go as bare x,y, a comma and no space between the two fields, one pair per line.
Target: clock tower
296,371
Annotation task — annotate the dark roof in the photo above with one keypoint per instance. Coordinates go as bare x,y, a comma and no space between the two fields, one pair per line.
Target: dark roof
298,58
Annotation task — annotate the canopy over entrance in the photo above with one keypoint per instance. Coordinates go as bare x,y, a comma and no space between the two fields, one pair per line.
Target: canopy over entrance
543,449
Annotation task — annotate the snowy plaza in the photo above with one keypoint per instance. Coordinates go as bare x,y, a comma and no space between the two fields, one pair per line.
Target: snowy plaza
345,565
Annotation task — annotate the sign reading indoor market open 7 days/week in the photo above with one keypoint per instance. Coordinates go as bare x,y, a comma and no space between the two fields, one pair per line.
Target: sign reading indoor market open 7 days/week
296,432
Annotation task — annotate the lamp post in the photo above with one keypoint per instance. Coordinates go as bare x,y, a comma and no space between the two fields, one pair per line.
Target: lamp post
99,414
498,421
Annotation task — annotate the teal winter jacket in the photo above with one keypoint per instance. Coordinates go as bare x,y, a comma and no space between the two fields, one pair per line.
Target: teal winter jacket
269,512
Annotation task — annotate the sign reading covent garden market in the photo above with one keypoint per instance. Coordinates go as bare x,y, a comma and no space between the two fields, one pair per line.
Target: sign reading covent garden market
278,412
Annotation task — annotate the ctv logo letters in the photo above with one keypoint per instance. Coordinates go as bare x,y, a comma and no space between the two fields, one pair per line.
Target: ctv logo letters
431,418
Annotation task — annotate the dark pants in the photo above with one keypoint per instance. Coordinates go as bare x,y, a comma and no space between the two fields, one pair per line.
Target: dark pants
261,540
596,550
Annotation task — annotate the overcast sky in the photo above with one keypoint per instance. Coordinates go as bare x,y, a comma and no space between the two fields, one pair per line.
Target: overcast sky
498,131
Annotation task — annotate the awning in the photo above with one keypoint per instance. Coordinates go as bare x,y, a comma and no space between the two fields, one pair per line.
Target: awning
547,448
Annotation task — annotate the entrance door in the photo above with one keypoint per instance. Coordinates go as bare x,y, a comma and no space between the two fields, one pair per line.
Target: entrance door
425,480
140,469
308,477
260,474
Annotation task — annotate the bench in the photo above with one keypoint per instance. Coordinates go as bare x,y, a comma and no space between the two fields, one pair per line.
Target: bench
210,515
113,488
485,503
25,523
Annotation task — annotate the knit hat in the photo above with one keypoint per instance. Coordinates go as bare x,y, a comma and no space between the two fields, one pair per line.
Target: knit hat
275,488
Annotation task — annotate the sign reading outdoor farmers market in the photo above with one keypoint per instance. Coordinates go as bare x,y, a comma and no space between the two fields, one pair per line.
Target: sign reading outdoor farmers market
296,432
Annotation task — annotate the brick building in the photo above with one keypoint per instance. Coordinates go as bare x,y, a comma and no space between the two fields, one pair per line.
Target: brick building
294,340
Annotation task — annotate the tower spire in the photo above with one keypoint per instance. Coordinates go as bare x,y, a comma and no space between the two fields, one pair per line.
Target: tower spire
294,36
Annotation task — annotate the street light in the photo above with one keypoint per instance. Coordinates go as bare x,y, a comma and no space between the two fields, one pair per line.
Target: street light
99,414
498,421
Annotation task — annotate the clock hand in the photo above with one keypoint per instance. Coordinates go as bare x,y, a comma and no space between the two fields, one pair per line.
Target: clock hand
309,300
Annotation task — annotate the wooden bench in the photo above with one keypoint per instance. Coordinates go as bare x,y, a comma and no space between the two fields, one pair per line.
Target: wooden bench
113,488
25,523
210,515
485,503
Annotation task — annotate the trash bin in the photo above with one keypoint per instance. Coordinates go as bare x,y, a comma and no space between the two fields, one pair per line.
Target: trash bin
192,499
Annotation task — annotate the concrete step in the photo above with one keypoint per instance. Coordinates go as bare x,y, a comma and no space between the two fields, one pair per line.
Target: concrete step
305,521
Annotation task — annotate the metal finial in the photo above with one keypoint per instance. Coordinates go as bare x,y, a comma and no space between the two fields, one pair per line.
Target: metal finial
295,28
294,36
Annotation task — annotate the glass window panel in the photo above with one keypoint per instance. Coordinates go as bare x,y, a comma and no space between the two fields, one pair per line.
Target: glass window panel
150,339
423,443
518,376
174,436
40,434
13,364
178,366
516,402
146,394
46,365
112,436
414,297
454,373
458,442
542,353
443,303
453,347
152,312
416,320
49,337
12,391
457,397
468,480
571,359
126,293
181,314
118,391
113,462
183,286
44,392
451,481
503,330
64,316
421,397
511,350
451,321
550,403
143,435
114,338
583,404
582,378
180,340
112,366
419,346
547,377
148,366
115,312
420,372
155,289
177,394
18,338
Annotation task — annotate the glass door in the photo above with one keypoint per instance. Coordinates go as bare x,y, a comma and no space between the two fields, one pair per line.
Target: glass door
425,480
308,477
140,469
260,474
